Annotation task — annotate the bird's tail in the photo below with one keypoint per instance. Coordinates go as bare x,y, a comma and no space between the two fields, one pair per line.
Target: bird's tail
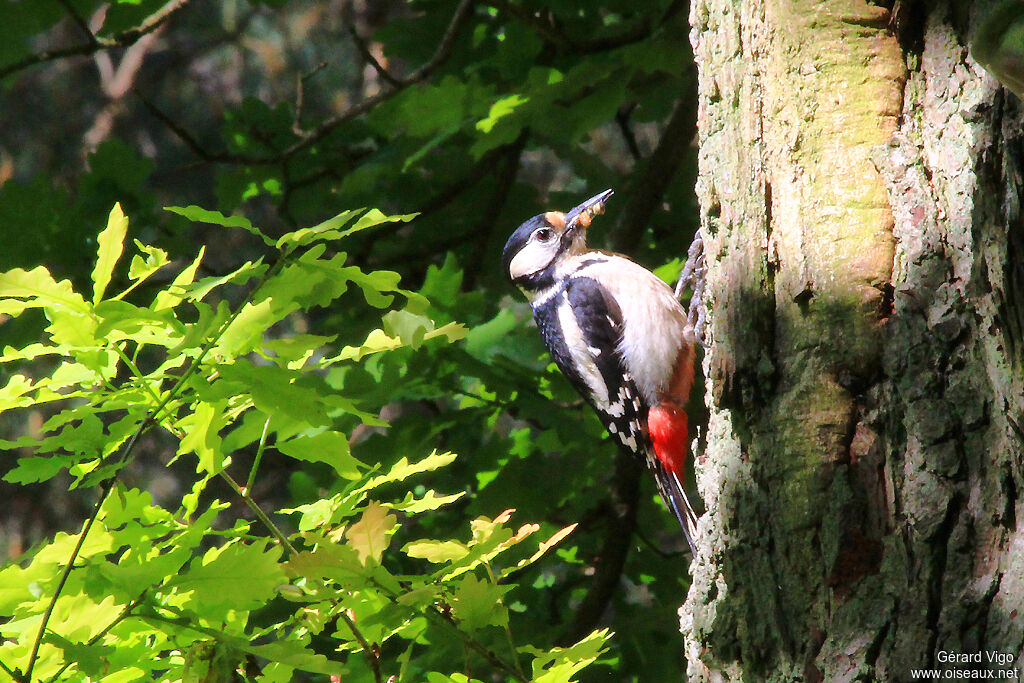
669,431
675,499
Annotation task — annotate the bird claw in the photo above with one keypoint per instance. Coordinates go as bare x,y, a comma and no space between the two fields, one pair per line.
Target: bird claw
693,275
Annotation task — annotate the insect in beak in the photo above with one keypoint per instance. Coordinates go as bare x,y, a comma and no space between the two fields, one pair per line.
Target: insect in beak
582,215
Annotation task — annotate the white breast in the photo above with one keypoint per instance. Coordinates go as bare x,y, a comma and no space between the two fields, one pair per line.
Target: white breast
654,323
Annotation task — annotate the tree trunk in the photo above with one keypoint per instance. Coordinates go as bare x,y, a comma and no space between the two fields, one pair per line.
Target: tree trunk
859,184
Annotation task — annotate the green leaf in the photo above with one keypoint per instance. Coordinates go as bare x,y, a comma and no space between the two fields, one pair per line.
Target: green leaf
202,437
429,501
14,393
375,217
235,576
111,244
198,214
328,447
403,469
499,110
31,469
555,539
435,677
176,291
331,229
328,230
484,340
295,653
369,536
329,561
373,284
297,348
560,664
36,288
438,552
275,390
478,603
141,268
197,291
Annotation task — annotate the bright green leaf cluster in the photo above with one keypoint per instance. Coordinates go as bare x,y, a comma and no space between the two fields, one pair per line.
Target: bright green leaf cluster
180,589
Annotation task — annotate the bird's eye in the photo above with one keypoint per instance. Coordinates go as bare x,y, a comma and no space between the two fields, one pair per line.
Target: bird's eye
544,234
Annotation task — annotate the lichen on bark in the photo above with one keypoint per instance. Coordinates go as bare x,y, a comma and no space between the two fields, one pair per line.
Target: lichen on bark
864,376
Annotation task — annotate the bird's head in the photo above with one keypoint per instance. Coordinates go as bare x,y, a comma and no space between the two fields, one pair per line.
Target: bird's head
548,237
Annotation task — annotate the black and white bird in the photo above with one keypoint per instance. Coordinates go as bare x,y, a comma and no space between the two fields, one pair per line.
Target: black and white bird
618,334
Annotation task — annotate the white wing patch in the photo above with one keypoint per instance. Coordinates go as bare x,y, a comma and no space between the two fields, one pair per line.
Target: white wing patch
654,323
617,408
580,351
629,441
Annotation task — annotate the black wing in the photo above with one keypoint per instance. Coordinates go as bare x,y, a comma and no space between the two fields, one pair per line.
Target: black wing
624,414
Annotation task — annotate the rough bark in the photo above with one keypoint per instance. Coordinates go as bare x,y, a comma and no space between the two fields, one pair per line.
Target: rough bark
859,187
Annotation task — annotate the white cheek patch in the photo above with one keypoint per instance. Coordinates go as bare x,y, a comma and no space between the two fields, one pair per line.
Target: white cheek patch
532,258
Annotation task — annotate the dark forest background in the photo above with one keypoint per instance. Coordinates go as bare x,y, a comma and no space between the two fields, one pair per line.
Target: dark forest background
472,115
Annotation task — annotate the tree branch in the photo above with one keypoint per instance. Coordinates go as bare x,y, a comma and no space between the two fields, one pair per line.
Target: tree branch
95,44
364,52
444,50
325,127
622,120
653,181
300,96
563,42
79,21
371,655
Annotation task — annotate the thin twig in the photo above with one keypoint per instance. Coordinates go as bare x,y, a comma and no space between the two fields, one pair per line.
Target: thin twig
614,550
313,135
300,97
563,42
152,418
492,657
505,177
441,54
182,134
622,120
367,55
258,511
105,489
79,21
122,39
446,619
125,613
14,674
649,189
508,629
371,656
259,456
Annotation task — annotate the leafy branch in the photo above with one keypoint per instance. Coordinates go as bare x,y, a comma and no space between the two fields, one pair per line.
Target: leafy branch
311,136
152,418
96,43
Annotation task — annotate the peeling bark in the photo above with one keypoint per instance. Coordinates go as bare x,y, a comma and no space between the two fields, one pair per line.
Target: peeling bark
860,209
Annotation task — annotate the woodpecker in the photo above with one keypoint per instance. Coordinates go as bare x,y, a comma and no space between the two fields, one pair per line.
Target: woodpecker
618,334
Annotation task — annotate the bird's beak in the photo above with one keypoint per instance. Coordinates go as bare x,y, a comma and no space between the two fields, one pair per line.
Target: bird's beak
582,214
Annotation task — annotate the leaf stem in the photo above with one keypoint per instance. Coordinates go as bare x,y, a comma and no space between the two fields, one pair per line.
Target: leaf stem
259,456
508,628
371,655
125,613
135,371
258,511
126,454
